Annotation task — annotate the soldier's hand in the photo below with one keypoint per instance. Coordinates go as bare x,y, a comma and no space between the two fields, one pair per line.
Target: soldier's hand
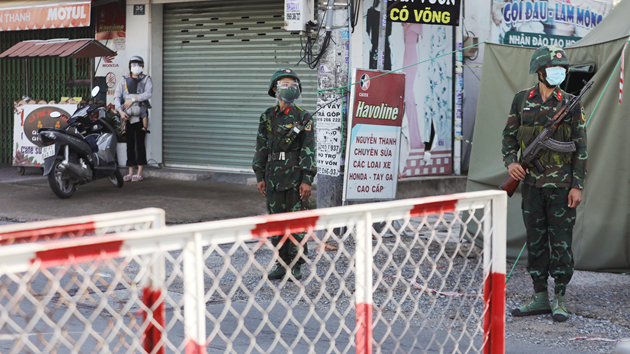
575,197
305,191
516,171
262,188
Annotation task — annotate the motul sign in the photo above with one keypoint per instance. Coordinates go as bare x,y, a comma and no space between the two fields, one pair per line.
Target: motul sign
74,14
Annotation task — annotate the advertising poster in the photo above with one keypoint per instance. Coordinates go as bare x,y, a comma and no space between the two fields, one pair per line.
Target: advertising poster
377,108
428,121
111,32
550,22
46,16
329,139
28,118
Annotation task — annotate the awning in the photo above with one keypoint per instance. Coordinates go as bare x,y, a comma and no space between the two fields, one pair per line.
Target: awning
74,48
29,15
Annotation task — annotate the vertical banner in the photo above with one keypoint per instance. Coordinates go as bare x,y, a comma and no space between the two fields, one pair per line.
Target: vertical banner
377,108
420,49
111,32
28,118
547,22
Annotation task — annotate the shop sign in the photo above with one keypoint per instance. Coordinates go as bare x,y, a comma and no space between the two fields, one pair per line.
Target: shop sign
430,12
374,139
74,14
28,119
536,40
549,22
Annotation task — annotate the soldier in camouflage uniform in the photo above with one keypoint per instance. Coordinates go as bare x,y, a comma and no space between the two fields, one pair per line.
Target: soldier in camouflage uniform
549,197
284,164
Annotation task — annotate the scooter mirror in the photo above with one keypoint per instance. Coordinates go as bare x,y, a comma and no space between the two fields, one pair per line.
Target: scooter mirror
95,91
55,114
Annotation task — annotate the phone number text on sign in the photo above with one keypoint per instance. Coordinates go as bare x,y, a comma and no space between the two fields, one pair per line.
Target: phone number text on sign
328,152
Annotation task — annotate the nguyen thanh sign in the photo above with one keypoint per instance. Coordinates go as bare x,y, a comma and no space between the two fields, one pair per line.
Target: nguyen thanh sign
430,12
374,138
45,16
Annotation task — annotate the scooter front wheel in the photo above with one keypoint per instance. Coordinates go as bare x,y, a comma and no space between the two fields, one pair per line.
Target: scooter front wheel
61,184
117,179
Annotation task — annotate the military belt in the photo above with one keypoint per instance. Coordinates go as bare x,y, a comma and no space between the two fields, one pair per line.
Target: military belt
282,155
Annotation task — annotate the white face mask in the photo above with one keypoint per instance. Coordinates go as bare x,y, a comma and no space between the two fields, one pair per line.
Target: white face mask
136,70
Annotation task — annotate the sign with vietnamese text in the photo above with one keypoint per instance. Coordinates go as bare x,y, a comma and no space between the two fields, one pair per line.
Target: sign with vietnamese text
549,22
429,12
111,32
28,119
73,14
374,138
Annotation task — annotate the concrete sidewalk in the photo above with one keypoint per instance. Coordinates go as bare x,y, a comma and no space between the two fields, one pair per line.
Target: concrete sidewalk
28,197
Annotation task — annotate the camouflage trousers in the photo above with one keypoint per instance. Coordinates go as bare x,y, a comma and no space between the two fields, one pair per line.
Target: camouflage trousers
281,202
549,224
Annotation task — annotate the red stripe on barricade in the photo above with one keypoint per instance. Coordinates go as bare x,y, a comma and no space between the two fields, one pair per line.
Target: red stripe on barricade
497,316
78,254
280,227
54,232
487,314
194,348
364,328
433,208
152,334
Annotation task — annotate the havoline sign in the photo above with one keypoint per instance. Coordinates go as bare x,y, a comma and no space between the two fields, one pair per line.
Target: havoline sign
374,138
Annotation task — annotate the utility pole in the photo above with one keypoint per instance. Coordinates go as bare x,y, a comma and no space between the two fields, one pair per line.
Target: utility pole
332,116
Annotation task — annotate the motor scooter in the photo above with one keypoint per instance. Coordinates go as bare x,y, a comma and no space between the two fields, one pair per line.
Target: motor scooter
75,158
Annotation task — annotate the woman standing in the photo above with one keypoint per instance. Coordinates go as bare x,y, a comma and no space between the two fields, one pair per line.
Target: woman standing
132,102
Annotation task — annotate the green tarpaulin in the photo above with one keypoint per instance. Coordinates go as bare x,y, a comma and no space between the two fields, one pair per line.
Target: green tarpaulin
601,236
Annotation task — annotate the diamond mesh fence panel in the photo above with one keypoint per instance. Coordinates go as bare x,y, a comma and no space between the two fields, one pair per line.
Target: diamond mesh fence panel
204,288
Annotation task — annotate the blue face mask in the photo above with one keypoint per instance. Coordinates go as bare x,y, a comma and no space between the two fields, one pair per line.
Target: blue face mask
555,75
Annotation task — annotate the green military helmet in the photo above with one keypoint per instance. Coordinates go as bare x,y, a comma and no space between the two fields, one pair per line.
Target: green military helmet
279,74
548,55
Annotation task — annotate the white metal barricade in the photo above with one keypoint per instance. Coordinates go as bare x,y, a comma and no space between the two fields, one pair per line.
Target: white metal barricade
99,224
416,285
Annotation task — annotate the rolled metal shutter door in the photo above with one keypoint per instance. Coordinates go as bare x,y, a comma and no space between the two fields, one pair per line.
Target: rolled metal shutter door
218,60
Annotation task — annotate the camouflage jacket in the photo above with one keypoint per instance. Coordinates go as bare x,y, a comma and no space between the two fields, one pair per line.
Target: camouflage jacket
284,174
527,116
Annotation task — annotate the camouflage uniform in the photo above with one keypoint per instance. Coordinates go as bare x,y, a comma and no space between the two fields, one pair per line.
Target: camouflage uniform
548,219
283,177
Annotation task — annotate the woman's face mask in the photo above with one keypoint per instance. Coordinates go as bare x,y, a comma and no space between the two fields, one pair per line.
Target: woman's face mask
555,75
136,69
287,91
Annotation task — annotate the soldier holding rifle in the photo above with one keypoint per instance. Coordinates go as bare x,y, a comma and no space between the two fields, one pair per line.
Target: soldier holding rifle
553,183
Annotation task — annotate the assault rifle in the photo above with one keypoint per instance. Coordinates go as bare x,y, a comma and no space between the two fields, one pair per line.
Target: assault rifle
543,141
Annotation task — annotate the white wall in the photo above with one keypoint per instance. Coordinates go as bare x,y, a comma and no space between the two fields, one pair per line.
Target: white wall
144,38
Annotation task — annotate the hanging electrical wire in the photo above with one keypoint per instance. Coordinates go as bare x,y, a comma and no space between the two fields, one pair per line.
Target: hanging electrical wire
355,7
307,51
